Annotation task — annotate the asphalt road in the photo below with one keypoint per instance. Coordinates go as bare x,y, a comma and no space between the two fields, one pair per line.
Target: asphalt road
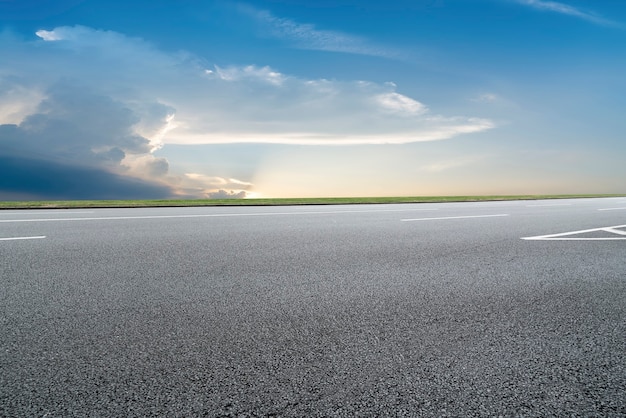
458,309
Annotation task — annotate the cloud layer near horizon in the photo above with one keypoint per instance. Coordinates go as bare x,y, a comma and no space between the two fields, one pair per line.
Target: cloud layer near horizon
107,101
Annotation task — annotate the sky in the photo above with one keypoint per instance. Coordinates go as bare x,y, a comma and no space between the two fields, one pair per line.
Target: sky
112,99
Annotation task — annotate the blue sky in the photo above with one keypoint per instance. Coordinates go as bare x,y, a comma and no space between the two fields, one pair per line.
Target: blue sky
281,98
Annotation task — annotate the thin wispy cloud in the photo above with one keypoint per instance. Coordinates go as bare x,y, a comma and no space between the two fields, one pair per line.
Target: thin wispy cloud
307,36
565,9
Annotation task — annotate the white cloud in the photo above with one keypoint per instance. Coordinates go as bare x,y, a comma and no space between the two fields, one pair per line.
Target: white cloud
49,35
263,74
213,187
224,194
17,101
178,100
566,9
399,104
173,98
259,105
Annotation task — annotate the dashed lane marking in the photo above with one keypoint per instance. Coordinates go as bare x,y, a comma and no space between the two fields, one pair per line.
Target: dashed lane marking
548,205
21,238
455,217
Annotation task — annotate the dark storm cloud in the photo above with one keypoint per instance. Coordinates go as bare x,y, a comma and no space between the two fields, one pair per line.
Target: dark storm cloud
73,147
77,124
41,179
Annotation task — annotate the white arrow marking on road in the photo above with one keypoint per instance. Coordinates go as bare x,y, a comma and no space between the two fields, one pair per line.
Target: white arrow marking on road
567,236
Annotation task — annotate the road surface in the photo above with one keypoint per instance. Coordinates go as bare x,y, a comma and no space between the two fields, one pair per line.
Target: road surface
448,309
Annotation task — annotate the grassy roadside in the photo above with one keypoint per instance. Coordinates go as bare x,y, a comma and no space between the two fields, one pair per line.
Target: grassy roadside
66,204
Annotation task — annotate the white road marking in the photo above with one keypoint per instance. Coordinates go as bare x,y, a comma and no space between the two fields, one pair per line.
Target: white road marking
59,211
612,209
211,215
20,238
486,204
614,231
454,217
567,236
548,205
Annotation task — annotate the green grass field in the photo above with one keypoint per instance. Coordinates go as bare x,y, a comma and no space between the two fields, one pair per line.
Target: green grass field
63,204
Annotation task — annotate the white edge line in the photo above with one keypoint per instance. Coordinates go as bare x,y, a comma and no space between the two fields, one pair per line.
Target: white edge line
612,209
454,217
582,231
41,212
211,215
22,238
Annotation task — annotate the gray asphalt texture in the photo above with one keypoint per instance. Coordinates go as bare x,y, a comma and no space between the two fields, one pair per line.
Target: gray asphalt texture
318,311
